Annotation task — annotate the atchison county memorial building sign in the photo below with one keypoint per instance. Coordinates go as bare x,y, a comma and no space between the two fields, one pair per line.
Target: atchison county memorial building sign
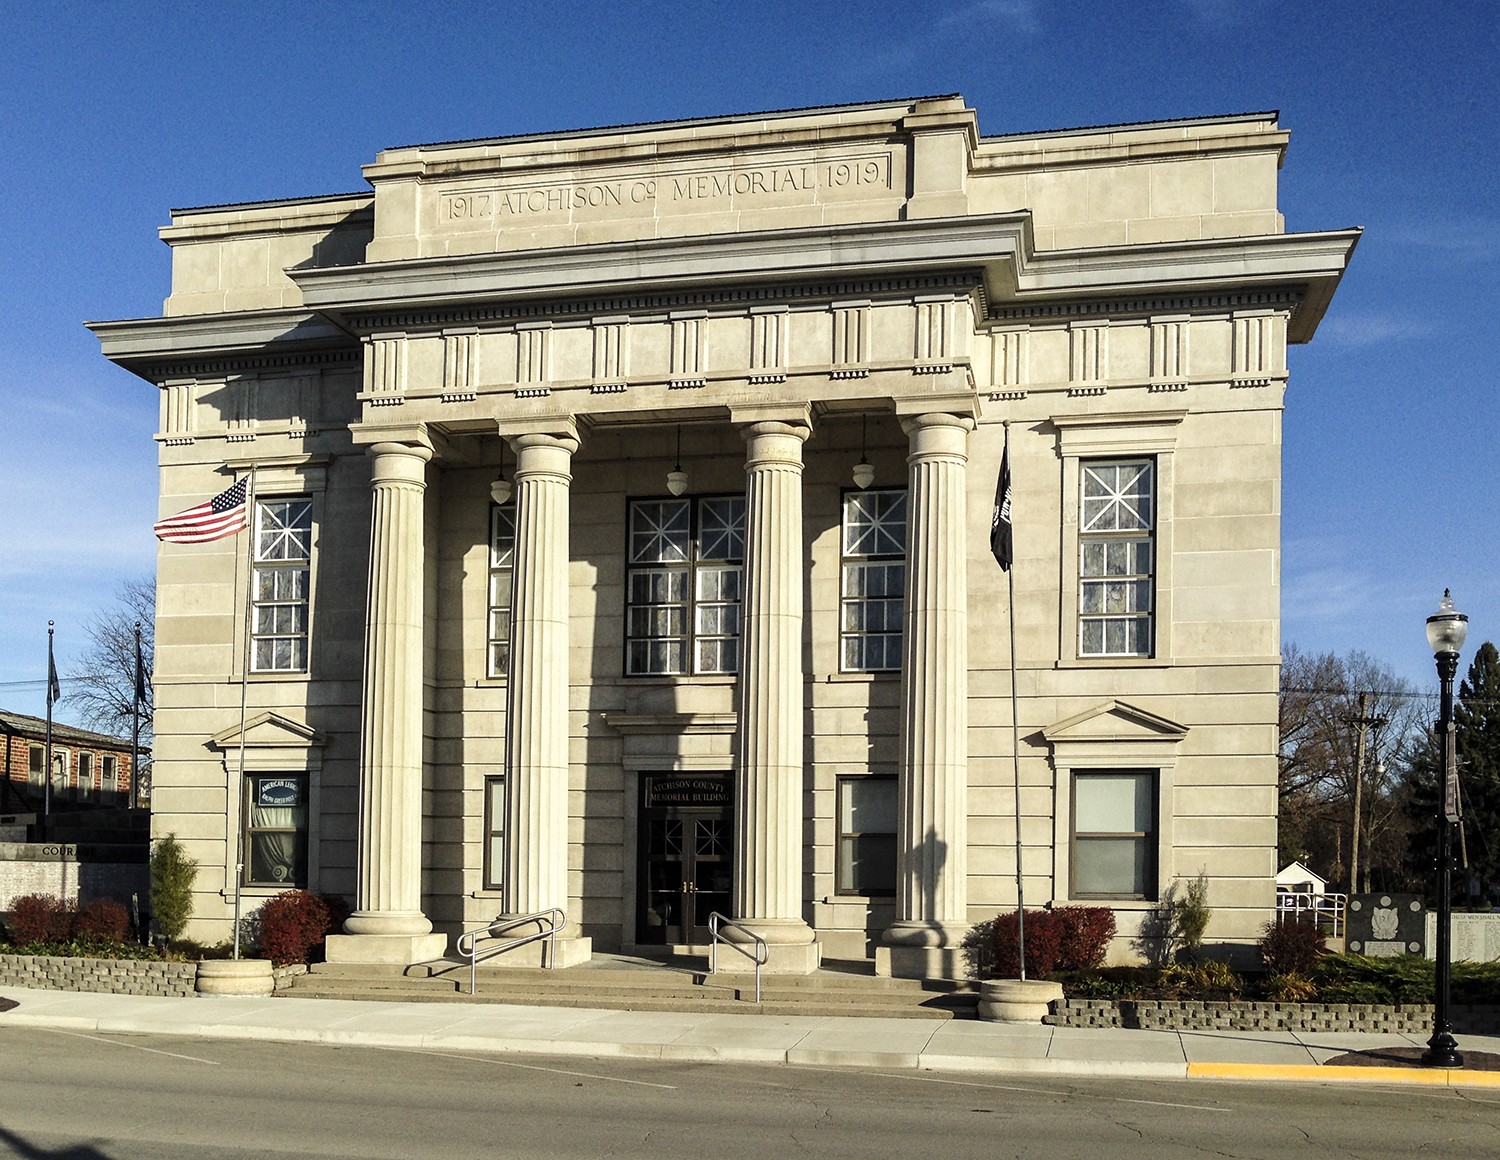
620,532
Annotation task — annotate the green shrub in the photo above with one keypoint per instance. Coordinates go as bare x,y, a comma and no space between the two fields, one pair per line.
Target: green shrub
1345,978
173,874
1190,916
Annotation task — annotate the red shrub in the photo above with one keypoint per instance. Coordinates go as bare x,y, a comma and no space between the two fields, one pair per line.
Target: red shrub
103,919
293,926
1043,945
40,918
1086,931
1292,947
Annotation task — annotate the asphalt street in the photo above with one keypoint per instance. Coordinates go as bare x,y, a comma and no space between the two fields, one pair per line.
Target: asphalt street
100,1096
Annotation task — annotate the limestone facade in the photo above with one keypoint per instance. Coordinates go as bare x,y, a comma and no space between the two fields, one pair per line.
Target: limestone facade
761,690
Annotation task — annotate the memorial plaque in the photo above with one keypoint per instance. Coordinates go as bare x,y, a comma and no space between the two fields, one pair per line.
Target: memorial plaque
1385,925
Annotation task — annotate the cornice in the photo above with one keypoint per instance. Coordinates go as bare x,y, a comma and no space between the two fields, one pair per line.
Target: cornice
195,345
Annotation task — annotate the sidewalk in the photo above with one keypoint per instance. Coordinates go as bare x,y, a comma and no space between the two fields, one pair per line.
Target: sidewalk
954,1046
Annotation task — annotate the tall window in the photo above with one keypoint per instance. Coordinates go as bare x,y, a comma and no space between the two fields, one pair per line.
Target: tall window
1115,535
108,777
59,771
283,553
494,832
85,776
867,836
276,830
37,764
502,562
686,564
1114,839
873,580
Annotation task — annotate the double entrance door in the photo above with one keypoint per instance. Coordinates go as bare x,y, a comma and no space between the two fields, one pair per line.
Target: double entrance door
686,856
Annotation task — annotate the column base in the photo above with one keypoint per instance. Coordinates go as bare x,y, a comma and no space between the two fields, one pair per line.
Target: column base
922,950
792,948
398,949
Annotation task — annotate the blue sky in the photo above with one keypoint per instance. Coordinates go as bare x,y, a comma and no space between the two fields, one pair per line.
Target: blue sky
110,114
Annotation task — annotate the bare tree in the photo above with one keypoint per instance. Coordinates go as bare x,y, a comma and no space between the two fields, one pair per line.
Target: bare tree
103,690
1320,707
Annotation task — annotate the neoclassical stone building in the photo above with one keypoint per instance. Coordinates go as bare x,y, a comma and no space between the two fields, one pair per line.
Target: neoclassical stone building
621,527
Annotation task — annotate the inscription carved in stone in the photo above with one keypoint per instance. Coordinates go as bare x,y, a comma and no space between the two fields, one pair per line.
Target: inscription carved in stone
665,192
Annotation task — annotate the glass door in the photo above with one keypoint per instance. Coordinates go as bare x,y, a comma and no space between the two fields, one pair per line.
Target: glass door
686,859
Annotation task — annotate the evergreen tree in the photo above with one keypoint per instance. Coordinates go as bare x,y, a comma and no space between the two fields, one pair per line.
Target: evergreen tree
1476,717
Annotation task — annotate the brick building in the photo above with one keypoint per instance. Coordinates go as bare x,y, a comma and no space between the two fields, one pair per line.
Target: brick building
88,769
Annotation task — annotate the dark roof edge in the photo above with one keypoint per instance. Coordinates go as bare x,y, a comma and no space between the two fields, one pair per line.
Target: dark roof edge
1166,122
317,197
689,122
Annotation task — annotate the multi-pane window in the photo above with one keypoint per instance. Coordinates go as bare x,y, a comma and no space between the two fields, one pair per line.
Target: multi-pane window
1116,551
85,776
502,564
867,836
494,832
686,569
108,776
59,771
37,764
276,830
873,581
283,554
1114,840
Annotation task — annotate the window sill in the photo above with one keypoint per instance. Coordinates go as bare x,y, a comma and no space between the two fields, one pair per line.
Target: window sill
1114,663
861,678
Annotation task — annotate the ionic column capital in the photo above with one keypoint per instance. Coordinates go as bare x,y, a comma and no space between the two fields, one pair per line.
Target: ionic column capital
938,433
397,463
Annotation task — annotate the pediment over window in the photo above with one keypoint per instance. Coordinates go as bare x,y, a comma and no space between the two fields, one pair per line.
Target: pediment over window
1115,721
272,742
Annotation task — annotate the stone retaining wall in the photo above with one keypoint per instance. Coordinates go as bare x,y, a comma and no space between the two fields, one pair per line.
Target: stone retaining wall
114,976
1185,1015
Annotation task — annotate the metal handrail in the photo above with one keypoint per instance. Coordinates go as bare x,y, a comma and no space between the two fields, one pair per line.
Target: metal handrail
761,956
468,942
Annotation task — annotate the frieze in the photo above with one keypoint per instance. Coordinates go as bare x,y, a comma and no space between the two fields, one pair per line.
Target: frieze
654,193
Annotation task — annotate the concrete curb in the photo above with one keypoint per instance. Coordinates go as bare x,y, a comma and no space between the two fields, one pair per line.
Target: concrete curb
673,1041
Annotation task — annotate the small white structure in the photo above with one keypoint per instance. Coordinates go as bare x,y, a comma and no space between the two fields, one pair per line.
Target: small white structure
1301,891
1296,878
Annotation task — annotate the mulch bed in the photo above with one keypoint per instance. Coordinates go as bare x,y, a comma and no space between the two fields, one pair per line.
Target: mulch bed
1411,1057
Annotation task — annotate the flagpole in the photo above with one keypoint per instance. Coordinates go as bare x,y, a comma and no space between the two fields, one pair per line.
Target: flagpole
135,723
1015,731
238,789
52,689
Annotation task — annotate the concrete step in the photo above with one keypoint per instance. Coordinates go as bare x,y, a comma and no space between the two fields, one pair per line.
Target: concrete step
644,988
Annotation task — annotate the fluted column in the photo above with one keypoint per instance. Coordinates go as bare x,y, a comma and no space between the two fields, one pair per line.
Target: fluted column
388,924
768,774
932,835
536,696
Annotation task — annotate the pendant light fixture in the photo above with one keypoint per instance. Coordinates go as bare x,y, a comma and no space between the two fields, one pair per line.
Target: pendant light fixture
677,479
500,490
864,470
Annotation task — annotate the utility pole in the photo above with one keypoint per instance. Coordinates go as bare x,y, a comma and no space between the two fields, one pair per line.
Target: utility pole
1362,724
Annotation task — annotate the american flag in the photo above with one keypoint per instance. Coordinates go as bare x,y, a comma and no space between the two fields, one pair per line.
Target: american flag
224,515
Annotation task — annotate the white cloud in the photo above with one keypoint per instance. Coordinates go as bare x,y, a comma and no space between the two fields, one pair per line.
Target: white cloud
1360,330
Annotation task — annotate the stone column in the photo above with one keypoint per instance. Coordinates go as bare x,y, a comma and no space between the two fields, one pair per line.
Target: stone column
932,834
388,925
768,774
536,697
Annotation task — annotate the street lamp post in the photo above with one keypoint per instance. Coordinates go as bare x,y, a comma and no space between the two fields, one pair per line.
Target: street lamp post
1446,629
